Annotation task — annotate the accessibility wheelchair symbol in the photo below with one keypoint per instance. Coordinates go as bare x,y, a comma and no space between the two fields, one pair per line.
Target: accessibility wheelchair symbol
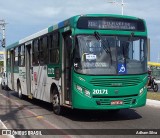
121,69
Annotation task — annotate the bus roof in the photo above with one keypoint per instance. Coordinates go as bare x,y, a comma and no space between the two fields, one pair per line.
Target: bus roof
64,23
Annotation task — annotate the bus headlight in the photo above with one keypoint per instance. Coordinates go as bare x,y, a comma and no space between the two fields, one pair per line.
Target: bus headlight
79,88
141,91
87,92
83,91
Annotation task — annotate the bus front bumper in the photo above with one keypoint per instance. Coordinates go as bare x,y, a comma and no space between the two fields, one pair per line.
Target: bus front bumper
81,101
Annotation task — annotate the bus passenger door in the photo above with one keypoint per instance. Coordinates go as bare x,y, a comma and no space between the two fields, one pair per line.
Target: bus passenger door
28,69
12,69
66,67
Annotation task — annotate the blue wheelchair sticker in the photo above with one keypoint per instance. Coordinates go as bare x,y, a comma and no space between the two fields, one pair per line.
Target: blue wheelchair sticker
122,68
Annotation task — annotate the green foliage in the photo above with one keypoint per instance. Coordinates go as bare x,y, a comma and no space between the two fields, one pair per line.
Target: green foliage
153,95
1,63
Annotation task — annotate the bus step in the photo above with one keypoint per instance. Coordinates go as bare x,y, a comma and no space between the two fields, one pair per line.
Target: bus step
66,105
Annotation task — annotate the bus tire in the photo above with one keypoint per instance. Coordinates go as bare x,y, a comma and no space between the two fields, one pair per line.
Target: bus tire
2,87
20,95
155,87
57,109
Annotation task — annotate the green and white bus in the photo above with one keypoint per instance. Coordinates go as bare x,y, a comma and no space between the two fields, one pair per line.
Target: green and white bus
92,61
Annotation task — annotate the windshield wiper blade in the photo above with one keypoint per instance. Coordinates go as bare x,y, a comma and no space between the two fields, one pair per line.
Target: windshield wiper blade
107,50
99,38
131,36
126,45
124,55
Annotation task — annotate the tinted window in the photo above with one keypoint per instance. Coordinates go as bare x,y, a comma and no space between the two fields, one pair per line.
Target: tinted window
54,47
35,53
43,50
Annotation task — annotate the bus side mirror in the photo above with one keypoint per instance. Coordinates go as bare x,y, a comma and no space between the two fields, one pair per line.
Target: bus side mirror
76,62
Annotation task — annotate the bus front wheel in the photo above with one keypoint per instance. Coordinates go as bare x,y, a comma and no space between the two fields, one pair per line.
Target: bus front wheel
19,91
2,87
57,109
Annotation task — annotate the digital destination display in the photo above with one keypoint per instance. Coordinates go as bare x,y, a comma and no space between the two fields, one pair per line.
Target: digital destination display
109,24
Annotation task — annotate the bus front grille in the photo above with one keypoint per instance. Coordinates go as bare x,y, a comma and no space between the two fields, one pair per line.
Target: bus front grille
115,82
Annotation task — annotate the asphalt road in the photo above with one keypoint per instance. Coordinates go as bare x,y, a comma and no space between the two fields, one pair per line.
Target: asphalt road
35,114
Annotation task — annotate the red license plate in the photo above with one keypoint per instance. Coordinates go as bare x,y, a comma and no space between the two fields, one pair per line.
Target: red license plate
116,102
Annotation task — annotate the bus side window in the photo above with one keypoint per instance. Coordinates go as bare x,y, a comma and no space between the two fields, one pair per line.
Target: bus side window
43,50
16,57
21,56
35,52
8,59
54,48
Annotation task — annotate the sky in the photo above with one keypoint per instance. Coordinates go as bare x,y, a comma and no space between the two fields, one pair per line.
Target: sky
25,17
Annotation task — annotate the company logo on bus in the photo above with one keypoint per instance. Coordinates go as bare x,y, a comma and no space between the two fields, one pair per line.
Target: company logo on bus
117,84
51,71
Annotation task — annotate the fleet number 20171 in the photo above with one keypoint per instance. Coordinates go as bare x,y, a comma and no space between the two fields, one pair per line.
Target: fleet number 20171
100,91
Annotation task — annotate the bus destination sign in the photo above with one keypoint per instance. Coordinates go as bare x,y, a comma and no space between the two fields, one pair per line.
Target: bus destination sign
108,23
111,24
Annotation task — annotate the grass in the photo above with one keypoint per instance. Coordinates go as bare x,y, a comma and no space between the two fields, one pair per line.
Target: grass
153,95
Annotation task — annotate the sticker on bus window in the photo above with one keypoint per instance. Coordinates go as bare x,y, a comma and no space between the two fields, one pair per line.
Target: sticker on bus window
122,68
91,57
35,77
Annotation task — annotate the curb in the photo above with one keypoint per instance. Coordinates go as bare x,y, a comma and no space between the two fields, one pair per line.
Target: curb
154,103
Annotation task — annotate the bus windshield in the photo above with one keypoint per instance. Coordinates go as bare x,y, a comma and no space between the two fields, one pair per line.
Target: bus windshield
111,55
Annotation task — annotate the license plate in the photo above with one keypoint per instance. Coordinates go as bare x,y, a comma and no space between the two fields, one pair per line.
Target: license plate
116,102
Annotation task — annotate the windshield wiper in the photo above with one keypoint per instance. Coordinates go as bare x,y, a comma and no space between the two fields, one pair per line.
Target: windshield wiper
127,43
131,36
99,38
107,50
124,54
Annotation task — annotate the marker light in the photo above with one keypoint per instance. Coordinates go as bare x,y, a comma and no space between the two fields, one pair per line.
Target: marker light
141,91
87,93
79,88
